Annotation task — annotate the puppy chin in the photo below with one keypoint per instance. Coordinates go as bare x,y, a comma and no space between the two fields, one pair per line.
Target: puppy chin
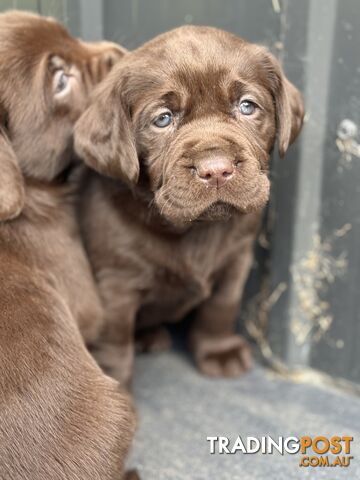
222,211
219,211
213,213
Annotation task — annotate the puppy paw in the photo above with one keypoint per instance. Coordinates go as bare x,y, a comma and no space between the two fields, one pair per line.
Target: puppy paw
153,340
222,357
132,475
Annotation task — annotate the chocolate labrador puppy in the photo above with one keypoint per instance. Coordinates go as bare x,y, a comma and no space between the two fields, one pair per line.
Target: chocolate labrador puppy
60,416
185,124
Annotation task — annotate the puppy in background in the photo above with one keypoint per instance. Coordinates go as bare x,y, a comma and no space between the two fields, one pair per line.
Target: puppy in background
185,126
60,416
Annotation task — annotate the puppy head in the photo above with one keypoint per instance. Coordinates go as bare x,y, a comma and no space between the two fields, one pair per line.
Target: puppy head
194,114
45,80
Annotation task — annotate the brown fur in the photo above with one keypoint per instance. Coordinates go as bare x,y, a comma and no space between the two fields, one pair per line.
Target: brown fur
165,241
60,416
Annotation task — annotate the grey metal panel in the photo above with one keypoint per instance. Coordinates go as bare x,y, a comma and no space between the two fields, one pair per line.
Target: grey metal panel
30,5
338,351
316,322
132,23
91,14
285,193
304,219
55,8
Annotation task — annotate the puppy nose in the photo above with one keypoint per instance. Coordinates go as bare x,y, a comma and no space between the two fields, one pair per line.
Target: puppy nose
215,171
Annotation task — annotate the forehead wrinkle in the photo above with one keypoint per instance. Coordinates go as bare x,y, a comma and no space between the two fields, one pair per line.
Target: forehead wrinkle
203,73
198,66
201,87
199,79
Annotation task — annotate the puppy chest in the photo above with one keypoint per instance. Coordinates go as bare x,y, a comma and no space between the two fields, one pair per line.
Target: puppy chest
172,288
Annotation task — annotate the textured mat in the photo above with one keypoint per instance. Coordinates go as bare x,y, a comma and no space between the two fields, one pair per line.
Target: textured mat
179,409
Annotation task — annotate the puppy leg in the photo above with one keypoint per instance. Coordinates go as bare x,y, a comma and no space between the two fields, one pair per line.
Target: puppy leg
152,340
218,350
79,290
114,351
86,306
132,475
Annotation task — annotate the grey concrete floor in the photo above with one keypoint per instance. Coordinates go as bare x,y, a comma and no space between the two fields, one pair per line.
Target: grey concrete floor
179,409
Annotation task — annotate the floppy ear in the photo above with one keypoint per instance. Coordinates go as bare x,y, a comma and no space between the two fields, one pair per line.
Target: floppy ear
289,113
288,102
103,135
104,55
12,187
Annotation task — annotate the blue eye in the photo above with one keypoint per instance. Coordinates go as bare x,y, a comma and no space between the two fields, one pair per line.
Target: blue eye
163,120
247,107
61,82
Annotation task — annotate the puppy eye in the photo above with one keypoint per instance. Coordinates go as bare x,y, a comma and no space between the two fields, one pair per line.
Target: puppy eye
61,83
247,107
163,120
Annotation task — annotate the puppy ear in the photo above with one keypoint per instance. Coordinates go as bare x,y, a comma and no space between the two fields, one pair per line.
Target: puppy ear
12,187
103,135
104,55
289,104
290,114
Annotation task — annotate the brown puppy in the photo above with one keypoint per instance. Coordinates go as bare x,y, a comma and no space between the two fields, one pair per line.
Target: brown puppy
187,122
60,416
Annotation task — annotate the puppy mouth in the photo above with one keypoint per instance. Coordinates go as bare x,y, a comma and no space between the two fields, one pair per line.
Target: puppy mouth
184,198
182,207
